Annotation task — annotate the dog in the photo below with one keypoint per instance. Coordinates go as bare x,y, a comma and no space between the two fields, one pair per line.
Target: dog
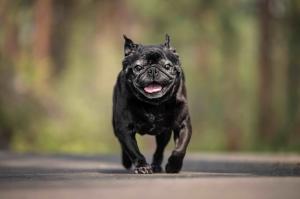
149,97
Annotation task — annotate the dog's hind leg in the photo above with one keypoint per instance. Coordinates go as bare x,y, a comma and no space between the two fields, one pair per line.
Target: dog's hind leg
161,141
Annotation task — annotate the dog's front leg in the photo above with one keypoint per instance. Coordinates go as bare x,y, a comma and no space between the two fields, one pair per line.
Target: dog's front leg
130,146
182,135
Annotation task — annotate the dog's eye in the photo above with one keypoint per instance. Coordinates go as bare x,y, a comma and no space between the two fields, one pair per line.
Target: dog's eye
167,66
138,67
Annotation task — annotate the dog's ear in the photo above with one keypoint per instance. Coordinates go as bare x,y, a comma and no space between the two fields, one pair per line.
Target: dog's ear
168,46
129,46
167,42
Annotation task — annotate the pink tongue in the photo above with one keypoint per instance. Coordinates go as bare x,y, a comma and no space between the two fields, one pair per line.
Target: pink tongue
152,88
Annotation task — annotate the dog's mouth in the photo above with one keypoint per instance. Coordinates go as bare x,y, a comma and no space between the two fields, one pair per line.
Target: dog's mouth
153,88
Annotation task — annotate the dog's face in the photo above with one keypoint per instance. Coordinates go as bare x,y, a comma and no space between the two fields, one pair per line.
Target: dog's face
152,72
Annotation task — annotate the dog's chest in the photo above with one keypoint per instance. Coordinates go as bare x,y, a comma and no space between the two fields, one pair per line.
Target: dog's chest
154,122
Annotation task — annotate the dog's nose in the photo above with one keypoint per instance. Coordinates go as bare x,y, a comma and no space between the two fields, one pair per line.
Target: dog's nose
153,72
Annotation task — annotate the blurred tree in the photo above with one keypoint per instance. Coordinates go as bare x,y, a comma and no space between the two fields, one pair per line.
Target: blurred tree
43,17
293,75
265,118
62,15
9,53
231,75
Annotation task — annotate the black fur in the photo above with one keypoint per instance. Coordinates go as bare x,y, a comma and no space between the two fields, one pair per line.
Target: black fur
156,112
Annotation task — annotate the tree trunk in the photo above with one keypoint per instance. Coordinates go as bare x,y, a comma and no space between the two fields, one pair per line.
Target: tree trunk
265,118
8,57
43,29
62,19
292,128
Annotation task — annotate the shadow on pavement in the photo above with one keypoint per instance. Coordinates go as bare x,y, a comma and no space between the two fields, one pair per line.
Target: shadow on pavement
16,167
239,167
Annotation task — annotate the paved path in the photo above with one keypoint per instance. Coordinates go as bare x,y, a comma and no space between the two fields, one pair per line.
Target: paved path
203,176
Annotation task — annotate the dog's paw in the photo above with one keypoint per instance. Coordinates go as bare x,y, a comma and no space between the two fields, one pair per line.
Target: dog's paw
174,164
147,169
156,168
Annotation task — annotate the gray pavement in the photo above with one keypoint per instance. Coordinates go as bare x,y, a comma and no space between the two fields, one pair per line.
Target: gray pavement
203,176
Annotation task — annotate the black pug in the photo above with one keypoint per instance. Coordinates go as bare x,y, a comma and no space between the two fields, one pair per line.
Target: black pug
150,98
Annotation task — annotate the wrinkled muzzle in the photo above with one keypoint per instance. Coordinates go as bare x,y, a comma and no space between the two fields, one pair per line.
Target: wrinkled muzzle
153,83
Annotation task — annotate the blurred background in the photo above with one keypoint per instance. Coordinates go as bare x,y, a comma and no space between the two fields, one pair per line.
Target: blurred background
59,60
